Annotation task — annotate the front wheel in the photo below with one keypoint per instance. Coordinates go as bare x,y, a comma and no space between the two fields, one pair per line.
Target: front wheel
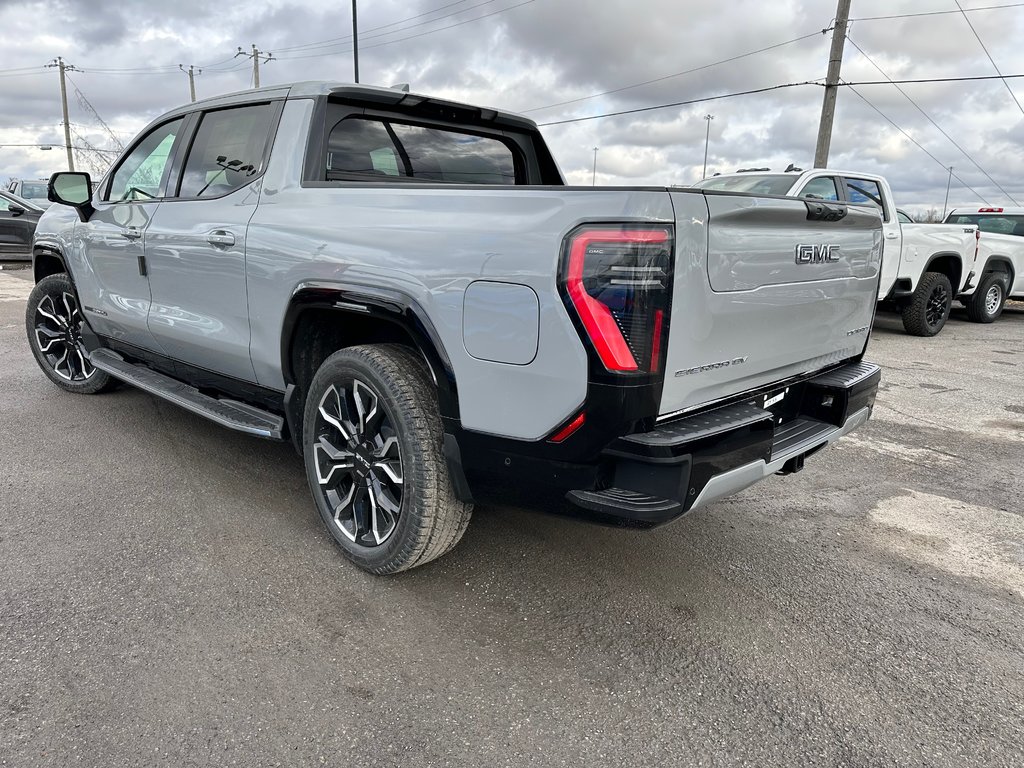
929,307
986,303
372,448
53,321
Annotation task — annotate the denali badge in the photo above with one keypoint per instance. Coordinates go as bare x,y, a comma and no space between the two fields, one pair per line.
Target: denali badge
711,366
816,254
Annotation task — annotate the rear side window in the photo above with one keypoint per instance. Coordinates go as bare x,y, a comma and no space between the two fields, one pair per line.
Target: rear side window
865,192
227,152
382,149
822,188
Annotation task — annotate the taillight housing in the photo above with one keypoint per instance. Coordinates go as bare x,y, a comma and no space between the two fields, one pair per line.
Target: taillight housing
617,279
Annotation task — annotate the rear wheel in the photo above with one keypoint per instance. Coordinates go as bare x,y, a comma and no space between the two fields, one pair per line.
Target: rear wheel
986,303
929,307
53,321
372,437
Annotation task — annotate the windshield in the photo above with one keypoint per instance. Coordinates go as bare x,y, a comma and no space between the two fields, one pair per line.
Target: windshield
33,190
755,183
999,224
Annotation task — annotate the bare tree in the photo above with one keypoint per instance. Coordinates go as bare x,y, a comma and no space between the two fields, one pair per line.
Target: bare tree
931,216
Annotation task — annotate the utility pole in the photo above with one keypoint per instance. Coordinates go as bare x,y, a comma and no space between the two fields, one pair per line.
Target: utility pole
707,138
62,68
255,56
828,105
593,177
191,72
945,203
355,42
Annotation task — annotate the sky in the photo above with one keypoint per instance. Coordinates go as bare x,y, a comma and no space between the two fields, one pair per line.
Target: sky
559,60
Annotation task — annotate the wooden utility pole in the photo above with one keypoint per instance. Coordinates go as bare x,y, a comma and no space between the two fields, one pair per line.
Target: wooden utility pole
191,72
255,56
62,68
828,106
355,42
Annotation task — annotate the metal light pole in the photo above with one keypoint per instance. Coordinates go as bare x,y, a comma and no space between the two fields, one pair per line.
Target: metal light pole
945,203
707,138
593,177
355,42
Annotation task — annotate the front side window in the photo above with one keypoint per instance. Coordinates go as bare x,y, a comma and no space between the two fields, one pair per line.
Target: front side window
821,188
227,152
904,218
380,149
865,192
141,173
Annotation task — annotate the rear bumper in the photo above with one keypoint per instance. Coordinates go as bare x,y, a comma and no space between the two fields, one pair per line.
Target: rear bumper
657,476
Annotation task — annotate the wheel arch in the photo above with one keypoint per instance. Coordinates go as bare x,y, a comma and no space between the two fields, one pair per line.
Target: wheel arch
1000,263
47,260
949,264
323,318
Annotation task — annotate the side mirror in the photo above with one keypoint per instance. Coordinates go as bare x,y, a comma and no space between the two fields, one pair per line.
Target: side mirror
15,210
74,189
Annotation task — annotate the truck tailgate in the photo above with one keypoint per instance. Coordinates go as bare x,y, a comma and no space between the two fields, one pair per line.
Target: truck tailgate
762,293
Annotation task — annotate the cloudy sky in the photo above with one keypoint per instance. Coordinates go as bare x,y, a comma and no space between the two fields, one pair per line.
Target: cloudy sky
558,60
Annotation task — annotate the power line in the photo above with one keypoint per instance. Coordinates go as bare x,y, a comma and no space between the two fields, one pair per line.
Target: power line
421,34
930,120
937,13
969,79
680,103
88,107
993,61
345,38
676,74
914,141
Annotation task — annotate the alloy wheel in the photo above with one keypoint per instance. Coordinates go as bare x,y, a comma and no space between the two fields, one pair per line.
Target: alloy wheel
938,306
358,463
58,331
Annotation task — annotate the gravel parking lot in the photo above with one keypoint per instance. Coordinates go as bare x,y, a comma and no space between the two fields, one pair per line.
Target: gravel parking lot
168,597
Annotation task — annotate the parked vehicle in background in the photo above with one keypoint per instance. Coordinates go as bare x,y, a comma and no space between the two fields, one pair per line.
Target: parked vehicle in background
924,266
999,267
18,219
405,287
33,190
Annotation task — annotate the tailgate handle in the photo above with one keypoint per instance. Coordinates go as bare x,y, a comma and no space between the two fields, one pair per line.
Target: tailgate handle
823,211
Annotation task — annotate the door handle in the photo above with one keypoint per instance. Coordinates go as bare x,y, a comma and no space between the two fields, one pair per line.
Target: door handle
131,233
891,236
220,237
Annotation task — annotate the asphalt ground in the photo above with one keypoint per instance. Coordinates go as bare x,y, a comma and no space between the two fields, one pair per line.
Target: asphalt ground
169,597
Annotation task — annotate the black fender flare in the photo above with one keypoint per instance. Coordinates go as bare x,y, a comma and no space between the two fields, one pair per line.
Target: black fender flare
950,255
387,305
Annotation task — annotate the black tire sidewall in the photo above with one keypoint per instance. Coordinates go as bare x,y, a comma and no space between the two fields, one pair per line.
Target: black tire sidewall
340,368
990,280
55,286
915,315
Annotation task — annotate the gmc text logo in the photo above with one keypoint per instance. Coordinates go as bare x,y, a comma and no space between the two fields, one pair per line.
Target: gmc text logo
816,254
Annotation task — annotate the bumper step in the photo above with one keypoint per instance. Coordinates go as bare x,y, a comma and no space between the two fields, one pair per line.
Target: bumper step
799,436
227,413
619,502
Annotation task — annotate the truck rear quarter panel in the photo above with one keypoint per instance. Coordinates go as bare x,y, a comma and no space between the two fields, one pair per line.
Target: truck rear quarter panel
430,242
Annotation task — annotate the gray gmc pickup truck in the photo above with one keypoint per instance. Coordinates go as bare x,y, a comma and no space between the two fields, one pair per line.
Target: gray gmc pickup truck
406,289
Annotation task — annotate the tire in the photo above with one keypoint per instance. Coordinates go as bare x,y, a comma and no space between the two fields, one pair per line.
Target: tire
987,301
53,322
372,449
929,307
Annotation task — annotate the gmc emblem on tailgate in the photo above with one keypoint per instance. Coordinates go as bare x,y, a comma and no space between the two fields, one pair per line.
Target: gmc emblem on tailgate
816,254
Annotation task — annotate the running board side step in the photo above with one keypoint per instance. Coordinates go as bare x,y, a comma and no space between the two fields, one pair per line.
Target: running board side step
228,413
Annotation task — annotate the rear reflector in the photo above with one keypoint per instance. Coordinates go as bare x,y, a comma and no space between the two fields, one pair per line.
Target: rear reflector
568,429
618,281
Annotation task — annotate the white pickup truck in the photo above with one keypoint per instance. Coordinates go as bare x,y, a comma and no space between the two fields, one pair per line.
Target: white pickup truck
924,266
998,267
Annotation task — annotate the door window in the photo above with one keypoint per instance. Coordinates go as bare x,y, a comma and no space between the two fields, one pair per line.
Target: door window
381,149
903,218
141,175
821,188
227,152
865,192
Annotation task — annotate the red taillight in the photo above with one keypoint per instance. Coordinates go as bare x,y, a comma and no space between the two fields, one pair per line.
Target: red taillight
990,210
618,281
568,429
